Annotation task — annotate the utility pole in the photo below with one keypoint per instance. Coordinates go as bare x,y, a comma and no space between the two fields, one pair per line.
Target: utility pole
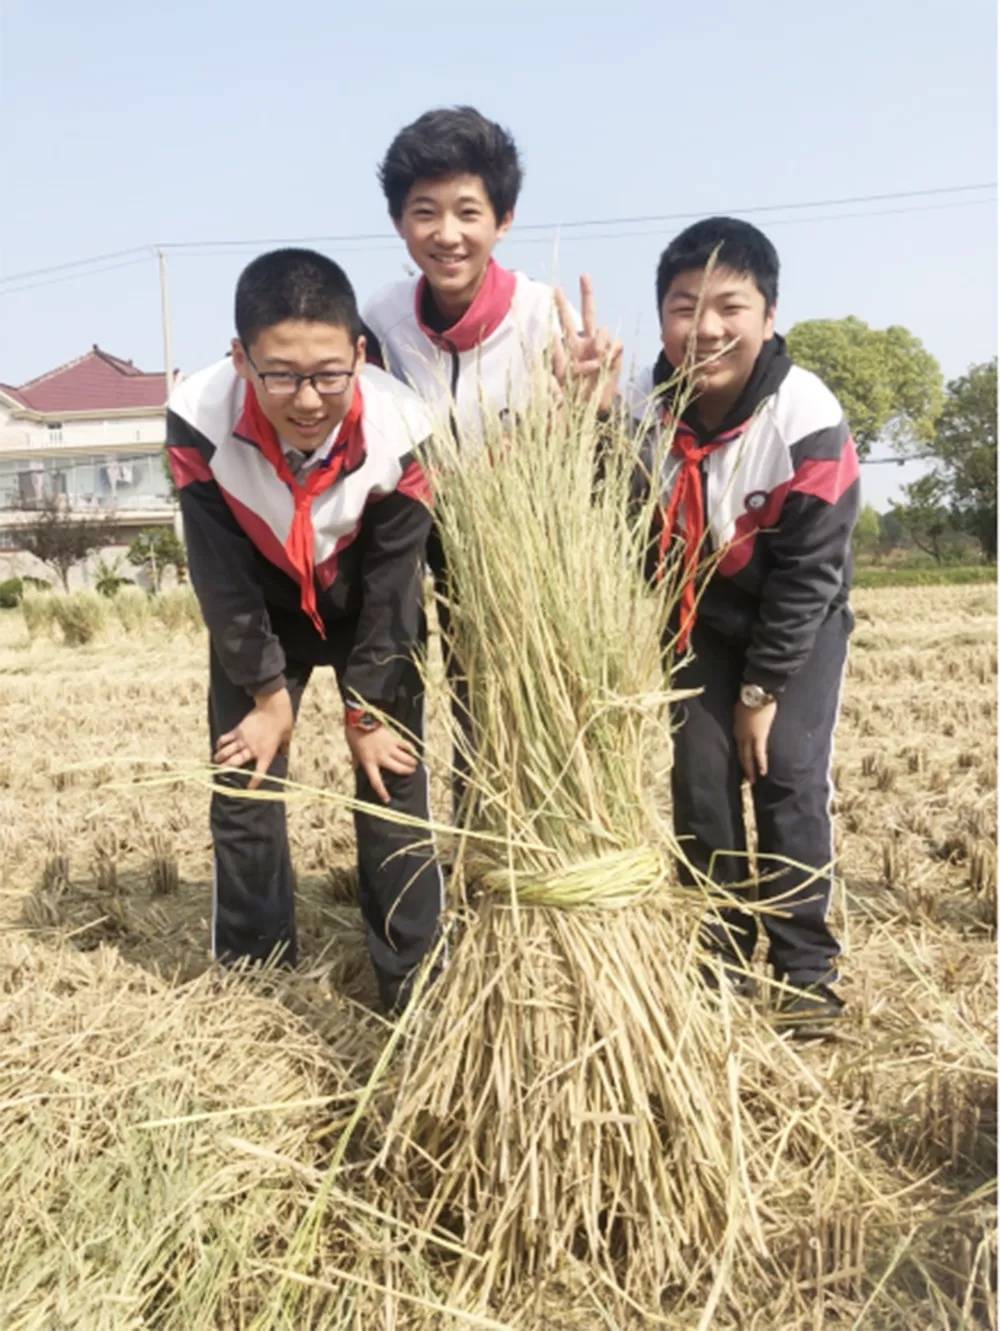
168,349
168,372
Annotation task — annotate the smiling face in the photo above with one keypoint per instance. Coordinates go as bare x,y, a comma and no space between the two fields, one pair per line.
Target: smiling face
301,346
450,230
733,311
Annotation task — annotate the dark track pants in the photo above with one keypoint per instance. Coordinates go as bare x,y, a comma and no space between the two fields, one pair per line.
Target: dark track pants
399,881
791,804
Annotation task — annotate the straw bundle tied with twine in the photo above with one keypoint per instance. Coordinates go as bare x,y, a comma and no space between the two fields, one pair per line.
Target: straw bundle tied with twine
570,1089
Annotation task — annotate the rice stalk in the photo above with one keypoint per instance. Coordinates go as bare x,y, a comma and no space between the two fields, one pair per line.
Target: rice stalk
571,1089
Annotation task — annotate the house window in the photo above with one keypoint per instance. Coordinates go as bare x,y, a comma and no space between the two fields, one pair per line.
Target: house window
55,432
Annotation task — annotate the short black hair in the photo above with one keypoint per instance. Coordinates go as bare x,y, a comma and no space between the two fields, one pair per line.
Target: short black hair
452,141
294,284
740,247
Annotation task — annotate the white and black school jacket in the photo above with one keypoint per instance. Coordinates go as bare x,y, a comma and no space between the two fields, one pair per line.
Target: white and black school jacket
342,581
781,499
485,363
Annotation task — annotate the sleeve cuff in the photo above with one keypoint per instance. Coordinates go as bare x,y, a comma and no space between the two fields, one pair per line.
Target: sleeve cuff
770,683
266,689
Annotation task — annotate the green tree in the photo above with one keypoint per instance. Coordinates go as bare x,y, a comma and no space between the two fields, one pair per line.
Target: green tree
889,385
61,538
927,518
892,534
966,448
155,550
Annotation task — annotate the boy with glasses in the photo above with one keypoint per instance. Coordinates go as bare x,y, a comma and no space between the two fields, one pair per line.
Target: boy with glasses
306,517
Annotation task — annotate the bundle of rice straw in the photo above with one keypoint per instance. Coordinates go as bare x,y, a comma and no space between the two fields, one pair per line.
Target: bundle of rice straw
570,1063
571,1091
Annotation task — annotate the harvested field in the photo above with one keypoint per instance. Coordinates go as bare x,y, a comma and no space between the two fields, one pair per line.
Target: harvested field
165,1131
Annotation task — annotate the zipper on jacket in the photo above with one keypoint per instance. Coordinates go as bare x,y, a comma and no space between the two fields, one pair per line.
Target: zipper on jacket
453,352
455,364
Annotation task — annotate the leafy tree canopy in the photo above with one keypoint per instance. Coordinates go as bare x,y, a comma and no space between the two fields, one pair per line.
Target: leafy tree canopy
889,385
966,447
155,549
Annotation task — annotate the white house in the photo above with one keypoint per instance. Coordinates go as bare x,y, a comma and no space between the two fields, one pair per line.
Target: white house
90,433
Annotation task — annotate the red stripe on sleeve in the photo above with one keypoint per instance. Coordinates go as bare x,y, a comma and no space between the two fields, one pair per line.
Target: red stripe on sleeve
415,484
828,478
187,466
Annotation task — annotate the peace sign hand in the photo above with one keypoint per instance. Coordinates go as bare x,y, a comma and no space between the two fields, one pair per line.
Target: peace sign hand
590,357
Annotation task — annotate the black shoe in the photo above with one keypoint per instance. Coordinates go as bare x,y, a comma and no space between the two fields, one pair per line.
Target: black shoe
807,1010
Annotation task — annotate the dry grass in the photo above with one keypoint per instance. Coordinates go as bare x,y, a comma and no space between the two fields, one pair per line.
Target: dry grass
82,617
154,1139
110,1021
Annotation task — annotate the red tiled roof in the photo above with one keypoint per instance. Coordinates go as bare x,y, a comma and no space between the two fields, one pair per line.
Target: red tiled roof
97,381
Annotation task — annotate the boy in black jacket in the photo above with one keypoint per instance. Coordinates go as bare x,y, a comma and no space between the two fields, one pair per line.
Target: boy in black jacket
763,474
306,517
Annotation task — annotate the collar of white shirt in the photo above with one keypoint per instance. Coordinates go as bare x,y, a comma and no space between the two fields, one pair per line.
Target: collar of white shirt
303,463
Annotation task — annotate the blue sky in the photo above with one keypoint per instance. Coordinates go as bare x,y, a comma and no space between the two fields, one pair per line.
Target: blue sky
123,127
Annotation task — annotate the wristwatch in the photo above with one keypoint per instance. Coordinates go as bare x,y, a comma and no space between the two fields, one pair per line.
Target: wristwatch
754,697
358,719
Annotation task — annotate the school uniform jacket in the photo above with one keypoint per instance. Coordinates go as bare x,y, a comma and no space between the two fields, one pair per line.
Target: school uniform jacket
781,497
279,569
485,363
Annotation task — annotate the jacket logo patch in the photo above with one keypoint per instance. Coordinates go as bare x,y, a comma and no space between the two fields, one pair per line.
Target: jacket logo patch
755,501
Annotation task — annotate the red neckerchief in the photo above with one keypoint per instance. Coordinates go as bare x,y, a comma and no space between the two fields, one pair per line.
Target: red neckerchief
484,316
685,513
348,448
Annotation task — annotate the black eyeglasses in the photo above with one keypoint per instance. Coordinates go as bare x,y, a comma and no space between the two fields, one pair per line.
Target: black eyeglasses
286,383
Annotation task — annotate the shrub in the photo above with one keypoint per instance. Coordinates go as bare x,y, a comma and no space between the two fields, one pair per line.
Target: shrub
81,616
131,605
11,592
177,610
109,577
37,609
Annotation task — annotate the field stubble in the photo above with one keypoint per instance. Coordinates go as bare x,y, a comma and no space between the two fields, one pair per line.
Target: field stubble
105,902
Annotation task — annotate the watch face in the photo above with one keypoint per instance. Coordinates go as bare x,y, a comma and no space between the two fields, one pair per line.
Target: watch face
752,695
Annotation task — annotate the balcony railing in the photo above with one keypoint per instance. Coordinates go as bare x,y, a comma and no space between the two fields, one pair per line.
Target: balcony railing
17,437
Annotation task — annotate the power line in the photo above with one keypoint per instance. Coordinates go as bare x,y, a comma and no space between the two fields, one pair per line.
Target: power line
769,207
389,244
603,221
899,462
76,263
361,239
392,242
70,277
778,221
